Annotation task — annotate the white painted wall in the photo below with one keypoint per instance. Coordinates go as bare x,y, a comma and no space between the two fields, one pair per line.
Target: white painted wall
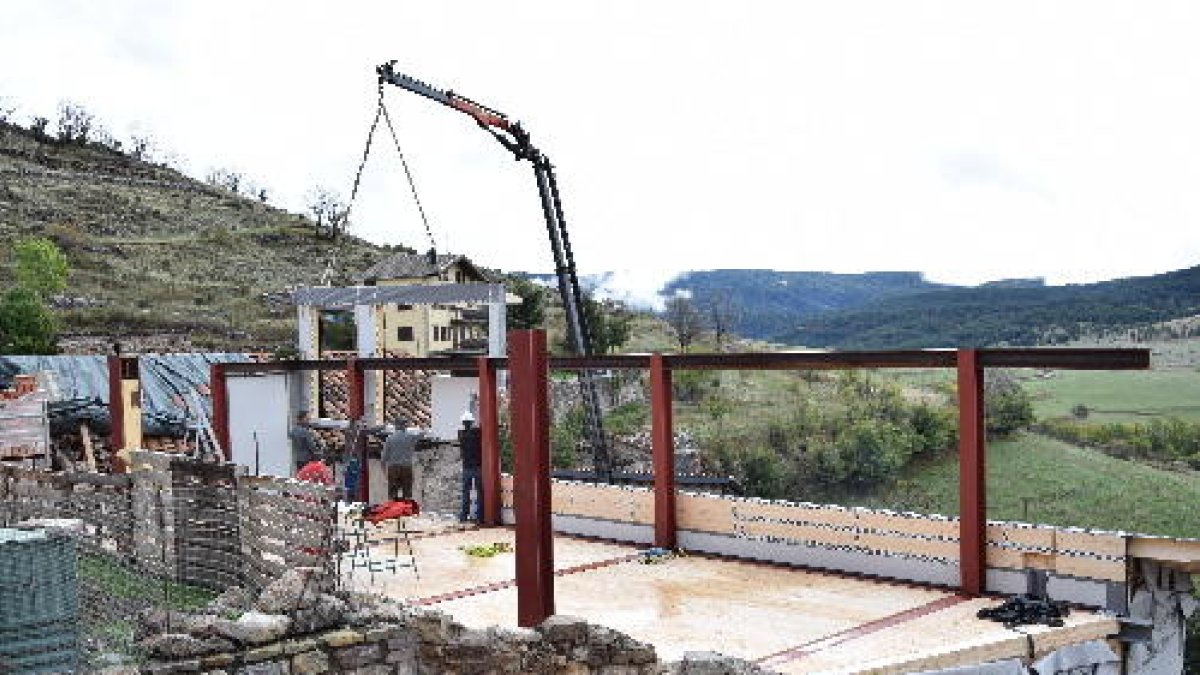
260,405
450,397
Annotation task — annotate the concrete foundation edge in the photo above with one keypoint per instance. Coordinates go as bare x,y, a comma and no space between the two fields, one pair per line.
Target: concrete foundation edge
1088,592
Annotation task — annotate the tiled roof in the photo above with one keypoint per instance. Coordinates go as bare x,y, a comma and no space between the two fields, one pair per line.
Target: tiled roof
412,265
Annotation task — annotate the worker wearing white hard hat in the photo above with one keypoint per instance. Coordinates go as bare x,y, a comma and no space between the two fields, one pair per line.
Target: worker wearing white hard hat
470,442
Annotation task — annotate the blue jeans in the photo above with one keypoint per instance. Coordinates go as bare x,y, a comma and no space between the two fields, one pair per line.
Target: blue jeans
471,477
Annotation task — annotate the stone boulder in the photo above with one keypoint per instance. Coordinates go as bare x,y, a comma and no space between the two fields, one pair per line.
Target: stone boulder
172,646
234,600
254,628
298,588
712,663
326,611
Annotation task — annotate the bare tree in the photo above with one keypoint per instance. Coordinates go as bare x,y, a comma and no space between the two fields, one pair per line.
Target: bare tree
328,209
7,110
103,137
38,126
141,146
254,190
684,319
74,123
721,313
224,178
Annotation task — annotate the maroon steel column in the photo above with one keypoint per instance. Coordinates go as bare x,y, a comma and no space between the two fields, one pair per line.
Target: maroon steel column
662,441
220,407
972,474
530,412
356,407
116,405
489,427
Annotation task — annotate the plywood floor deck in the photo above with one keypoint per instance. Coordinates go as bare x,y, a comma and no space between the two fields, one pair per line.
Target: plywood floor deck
789,620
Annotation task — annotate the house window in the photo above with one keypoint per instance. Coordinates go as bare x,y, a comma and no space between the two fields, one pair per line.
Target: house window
404,334
458,277
403,308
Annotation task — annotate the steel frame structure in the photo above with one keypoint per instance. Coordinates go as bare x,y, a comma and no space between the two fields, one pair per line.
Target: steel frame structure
529,367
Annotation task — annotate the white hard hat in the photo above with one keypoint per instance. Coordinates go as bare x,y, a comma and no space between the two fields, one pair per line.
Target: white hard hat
467,417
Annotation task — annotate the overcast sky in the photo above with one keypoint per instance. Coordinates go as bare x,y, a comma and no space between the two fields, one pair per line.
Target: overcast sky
967,140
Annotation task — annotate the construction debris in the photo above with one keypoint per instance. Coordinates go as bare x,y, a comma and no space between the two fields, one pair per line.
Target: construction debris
1027,610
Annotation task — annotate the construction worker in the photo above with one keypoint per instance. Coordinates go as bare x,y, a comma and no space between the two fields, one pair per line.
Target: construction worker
305,445
470,441
397,458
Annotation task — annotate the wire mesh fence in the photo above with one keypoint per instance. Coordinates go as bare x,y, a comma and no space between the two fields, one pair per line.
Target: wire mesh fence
169,537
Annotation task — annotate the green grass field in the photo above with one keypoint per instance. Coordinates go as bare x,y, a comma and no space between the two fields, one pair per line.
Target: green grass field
1119,396
1035,479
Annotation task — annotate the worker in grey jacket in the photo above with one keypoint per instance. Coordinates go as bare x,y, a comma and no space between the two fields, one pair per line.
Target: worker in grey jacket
306,447
398,451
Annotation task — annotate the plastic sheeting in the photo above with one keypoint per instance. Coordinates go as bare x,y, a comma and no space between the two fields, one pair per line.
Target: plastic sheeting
166,380
1163,597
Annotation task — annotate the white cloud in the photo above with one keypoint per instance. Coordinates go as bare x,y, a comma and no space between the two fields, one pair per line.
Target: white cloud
689,135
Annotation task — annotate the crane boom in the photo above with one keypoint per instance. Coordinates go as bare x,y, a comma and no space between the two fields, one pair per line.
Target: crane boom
514,137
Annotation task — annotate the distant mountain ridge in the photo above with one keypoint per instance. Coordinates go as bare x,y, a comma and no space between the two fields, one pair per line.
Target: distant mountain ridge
1003,314
770,302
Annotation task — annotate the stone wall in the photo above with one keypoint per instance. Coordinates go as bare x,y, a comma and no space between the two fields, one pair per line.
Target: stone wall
293,628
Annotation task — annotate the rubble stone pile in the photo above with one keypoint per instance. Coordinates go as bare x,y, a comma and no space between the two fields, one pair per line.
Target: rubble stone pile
298,626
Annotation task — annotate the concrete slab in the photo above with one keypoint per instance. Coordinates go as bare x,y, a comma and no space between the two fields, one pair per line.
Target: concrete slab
790,620
444,567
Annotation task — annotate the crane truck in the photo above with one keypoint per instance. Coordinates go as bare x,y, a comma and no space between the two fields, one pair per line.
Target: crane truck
516,140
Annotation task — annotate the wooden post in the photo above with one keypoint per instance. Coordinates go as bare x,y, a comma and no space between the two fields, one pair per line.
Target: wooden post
972,474
530,408
489,427
662,440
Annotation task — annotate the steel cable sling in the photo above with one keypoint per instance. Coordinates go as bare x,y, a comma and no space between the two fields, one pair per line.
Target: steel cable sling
344,217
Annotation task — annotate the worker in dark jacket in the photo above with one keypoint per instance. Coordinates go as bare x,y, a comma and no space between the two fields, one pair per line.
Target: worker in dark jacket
306,447
470,441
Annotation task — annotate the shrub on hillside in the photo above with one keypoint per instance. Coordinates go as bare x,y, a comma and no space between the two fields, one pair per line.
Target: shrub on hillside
1167,439
1007,406
853,432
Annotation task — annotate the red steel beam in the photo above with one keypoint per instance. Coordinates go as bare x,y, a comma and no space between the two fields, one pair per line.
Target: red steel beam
220,408
116,405
972,474
662,443
489,427
530,412
356,408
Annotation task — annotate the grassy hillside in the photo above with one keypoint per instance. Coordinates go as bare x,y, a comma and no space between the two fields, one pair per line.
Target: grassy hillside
1035,479
152,250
